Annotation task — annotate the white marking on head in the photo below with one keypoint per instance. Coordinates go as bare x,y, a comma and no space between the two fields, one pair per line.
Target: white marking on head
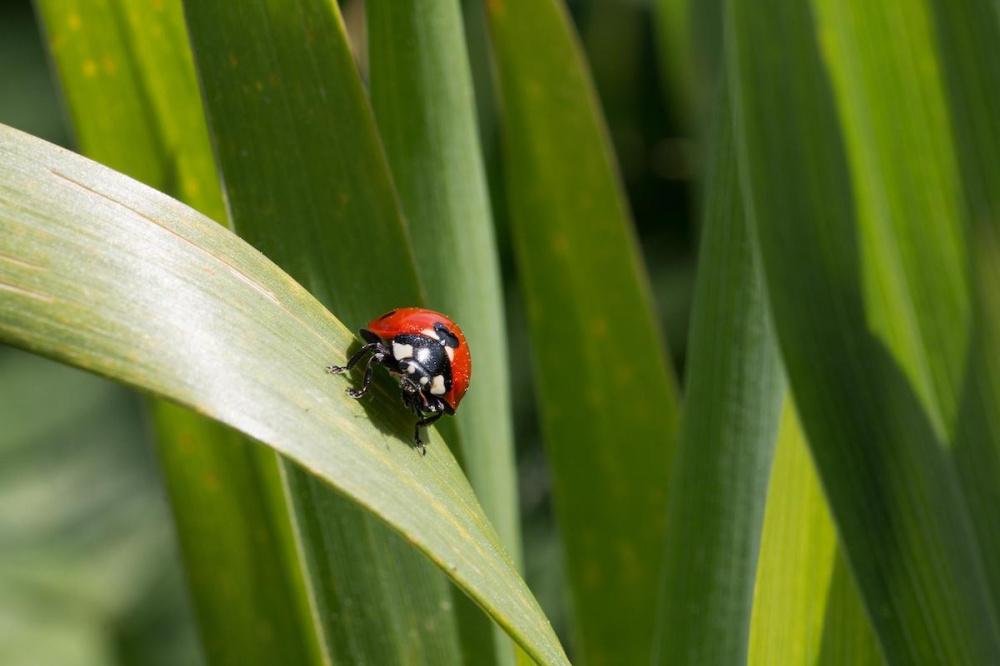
423,354
450,352
410,368
423,380
402,351
432,334
437,386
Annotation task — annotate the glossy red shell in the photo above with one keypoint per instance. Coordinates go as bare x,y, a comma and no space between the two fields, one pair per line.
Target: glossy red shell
416,320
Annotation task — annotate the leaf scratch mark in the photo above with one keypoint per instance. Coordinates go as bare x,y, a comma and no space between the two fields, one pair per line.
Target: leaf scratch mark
20,262
45,298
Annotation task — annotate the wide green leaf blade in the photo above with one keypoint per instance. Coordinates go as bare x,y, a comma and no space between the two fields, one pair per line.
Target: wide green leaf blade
423,100
608,400
422,95
890,74
240,556
891,106
806,608
967,32
730,422
306,181
104,273
792,582
892,488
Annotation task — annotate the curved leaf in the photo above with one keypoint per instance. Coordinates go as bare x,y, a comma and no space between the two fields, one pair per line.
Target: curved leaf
422,94
730,422
101,272
421,90
307,183
240,556
892,487
607,396
806,608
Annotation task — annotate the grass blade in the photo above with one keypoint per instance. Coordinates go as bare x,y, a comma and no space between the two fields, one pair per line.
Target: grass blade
307,182
422,95
104,273
608,399
892,489
967,32
731,413
806,608
130,87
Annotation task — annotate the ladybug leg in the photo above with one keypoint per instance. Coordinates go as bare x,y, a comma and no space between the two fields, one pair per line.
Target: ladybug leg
424,422
337,369
408,395
375,359
437,411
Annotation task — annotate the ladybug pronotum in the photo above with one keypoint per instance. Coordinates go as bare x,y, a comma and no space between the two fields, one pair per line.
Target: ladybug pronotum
428,354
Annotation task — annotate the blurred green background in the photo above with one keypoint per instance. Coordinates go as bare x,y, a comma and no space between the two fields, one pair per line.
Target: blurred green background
98,581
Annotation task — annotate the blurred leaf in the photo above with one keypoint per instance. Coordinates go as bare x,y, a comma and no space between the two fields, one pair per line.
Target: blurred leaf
422,95
676,48
806,608
240,555
889,73
306,181
731,412
101,272
882,70
891,485
967,33
689,45
608,399
74,575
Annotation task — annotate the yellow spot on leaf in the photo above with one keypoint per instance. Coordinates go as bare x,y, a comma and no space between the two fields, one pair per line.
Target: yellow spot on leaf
89,68
560,244
599,328
73,21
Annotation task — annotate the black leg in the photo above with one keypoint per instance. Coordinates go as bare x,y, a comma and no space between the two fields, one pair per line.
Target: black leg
426,421
337,369
375,359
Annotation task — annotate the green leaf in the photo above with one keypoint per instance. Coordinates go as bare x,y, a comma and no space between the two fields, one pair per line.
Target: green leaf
104,273
240,556
79,577
730,422
886,471
239,550
608,400
881,60
967,32
423,100
307,182
806,608
890,76
421,89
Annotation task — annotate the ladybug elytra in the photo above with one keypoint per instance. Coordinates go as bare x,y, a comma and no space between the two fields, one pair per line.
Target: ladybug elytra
426,351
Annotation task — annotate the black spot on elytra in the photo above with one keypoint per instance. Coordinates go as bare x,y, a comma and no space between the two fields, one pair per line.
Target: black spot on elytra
447,337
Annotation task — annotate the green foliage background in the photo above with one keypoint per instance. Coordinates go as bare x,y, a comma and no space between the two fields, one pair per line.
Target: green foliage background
730,273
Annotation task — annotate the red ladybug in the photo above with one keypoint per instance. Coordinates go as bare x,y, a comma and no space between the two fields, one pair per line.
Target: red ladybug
426,351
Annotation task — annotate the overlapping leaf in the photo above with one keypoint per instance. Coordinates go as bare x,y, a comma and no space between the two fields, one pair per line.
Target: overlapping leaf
101,272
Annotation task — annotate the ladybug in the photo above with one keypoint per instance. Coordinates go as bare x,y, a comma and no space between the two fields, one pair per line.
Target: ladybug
426,351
